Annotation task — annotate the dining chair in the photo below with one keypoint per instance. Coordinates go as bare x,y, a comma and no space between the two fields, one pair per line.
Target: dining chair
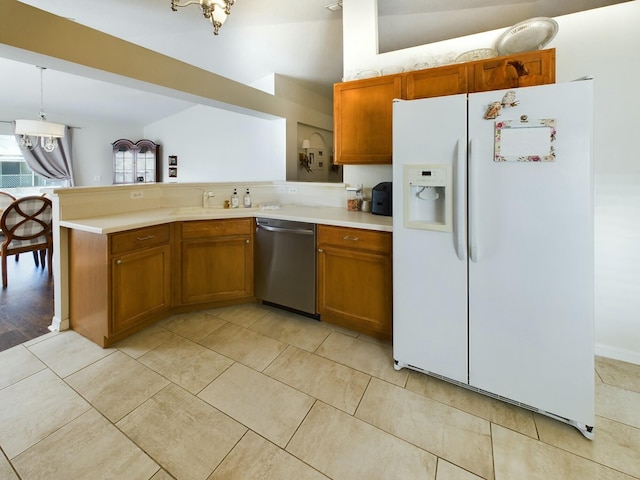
26,225
5,200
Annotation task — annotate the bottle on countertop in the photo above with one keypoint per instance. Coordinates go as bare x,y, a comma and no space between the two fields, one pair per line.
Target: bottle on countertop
235,200
247,199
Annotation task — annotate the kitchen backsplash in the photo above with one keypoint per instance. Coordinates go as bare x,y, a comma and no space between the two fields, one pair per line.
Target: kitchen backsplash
85,202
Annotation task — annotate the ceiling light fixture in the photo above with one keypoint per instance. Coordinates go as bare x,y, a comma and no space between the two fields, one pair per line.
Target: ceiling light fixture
47,131
214,10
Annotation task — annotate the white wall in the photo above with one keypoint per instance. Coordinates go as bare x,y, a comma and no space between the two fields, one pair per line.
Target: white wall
215,145
602,43
92,153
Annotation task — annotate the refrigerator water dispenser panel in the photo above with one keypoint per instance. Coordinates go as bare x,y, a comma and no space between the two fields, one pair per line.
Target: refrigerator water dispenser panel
427,195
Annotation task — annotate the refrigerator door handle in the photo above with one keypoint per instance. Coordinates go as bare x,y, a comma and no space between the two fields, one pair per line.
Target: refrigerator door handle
473,203
459,227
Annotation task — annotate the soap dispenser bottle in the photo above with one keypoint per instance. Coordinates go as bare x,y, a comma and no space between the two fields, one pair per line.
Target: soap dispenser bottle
235,201
247,199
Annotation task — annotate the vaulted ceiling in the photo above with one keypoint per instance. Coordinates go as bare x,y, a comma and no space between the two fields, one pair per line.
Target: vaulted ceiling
297,38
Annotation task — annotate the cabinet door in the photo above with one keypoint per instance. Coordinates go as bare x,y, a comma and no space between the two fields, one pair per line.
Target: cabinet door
216,268
519,70
436,82
147,165
354,290
140,286
124,154
363,118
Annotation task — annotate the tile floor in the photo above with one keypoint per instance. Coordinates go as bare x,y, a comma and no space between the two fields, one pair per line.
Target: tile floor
250,392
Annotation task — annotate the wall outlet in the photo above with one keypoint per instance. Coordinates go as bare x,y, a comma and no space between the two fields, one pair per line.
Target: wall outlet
137,194
282,189
292,189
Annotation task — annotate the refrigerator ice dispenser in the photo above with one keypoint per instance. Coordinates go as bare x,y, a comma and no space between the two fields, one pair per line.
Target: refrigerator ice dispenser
427,199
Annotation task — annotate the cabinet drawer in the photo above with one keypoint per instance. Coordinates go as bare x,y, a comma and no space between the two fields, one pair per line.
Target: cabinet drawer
216,228
140,238
354,238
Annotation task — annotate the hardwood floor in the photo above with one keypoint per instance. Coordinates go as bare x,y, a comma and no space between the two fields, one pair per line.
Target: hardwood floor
26,305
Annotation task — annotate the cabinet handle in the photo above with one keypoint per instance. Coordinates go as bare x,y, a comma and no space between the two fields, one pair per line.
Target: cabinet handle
118,262
148,237
247,241
353,239
320,250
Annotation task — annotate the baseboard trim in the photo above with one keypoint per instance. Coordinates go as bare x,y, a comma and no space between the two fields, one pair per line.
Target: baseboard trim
58,325
617,353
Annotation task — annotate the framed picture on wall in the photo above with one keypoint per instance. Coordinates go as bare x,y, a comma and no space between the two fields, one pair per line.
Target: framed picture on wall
173,160
320,160
173,172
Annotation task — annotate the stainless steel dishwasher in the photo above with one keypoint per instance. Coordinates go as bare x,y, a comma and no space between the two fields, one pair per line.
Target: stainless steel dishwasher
285,264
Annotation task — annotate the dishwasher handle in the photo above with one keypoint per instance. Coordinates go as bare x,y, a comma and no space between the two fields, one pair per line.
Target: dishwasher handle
297,231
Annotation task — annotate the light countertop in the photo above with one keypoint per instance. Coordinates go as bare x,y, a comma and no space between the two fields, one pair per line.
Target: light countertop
313,214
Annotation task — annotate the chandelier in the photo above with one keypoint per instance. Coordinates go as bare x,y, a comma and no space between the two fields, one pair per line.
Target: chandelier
215,10
47,131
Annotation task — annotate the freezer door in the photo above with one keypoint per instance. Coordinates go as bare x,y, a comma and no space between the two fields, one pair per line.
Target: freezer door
531,333
430,267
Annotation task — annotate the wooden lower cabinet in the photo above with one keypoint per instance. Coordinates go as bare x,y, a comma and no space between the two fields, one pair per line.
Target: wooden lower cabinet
354,279
118,283
122,282
139,286
216,261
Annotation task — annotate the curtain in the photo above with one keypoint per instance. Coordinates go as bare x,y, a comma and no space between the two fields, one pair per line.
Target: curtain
54,165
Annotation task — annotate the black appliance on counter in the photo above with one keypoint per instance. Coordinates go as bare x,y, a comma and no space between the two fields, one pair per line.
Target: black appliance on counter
381,199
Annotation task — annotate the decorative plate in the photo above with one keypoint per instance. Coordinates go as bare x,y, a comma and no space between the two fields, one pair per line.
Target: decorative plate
477,54
532,34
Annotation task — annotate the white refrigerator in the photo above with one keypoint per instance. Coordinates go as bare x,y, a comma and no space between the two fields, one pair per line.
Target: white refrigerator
493,245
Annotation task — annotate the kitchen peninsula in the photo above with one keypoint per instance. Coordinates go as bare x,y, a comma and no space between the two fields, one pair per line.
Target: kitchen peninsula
123,253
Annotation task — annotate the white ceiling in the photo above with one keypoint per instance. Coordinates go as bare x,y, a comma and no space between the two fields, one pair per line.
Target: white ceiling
297,38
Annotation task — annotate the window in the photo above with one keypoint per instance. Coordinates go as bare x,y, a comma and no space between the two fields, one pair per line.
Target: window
15,174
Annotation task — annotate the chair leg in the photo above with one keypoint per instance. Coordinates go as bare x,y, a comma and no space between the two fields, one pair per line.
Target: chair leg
49,252
36,258
43,254
4,271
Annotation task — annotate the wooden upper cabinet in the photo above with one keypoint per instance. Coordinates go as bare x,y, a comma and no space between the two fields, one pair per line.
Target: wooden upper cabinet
362,112
436,82
518,70
363,109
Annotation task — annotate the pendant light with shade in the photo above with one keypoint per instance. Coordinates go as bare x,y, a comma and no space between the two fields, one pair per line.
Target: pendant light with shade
47,131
